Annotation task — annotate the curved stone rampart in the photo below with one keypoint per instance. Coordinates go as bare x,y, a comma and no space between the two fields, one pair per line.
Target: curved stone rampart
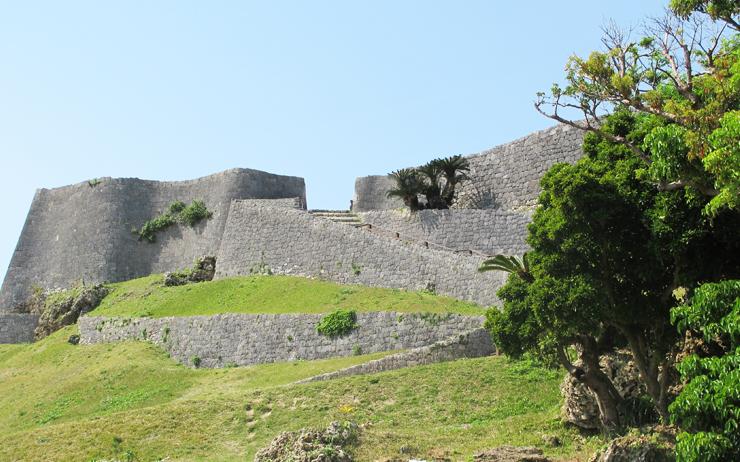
245,339
286,241
503,177
84,231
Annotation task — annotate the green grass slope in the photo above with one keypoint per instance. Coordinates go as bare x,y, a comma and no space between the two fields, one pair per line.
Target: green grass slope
266,294
129,401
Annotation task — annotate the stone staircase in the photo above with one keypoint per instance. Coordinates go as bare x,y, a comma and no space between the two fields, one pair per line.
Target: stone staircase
338,216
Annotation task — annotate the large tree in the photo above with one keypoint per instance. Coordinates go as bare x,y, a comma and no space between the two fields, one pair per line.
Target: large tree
608,250
653,206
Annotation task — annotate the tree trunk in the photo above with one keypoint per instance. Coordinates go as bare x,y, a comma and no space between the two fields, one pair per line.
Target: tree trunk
607,397
648,363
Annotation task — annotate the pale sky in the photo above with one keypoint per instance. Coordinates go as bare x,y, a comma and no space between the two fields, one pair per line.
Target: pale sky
326,90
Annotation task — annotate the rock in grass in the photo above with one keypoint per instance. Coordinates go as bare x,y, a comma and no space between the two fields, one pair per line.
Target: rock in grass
312,445
63,308
511,454
656,447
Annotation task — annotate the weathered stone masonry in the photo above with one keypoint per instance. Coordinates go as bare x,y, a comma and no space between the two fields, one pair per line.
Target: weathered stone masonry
294,242
504,177
244,339
486,231
85,232
473,344
17,328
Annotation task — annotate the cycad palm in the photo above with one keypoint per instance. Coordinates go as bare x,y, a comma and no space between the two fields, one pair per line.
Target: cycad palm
408,187
453,169
510,264
432,190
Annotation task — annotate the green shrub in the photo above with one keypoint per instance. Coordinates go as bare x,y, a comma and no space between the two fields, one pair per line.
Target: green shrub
337,323
195,361
177,212
707,410
176,207
193,213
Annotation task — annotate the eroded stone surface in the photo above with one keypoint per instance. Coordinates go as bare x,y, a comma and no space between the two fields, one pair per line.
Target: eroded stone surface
311,445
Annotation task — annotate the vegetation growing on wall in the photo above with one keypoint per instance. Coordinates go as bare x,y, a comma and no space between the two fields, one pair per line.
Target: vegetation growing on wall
436,181
338,323
177,212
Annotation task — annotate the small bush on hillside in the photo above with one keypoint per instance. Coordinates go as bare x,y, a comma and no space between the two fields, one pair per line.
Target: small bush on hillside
337,323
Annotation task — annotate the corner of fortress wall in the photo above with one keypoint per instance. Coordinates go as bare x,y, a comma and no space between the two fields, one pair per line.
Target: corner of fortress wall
83,232
504,177
294,242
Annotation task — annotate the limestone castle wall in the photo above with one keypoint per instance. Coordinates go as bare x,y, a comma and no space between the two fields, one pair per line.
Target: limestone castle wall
487,231
84,231
244,339
289,241
503,177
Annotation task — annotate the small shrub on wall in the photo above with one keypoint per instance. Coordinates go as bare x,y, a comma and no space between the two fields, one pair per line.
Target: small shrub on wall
337,323
177,212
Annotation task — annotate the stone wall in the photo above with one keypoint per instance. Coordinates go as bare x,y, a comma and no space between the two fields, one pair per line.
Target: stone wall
504,177
487,231
17,328
244,339
370,194
84,231
294,242
473,344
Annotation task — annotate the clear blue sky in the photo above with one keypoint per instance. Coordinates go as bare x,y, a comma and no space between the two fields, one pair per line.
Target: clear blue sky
326,90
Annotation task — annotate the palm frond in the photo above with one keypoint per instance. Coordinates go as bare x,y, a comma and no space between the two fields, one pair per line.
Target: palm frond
509,264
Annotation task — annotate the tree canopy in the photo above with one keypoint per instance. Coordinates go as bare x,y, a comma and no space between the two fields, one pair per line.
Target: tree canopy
650,210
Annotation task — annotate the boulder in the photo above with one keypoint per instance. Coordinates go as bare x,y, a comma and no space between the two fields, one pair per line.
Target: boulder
580,407
511,454
311,445
642,448
63,308
203,270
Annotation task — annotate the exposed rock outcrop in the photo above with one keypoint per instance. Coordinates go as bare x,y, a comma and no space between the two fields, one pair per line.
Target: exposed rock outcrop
580,407
311,445
203,270
61,309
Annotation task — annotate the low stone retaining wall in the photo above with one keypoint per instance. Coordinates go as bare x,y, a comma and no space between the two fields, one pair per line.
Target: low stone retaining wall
17,328
244,339
473,344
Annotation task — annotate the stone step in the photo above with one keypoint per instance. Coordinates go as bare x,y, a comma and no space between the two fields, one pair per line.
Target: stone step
320,211
338,216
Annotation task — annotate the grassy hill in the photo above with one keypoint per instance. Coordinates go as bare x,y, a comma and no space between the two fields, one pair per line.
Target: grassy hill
130,401
266,294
